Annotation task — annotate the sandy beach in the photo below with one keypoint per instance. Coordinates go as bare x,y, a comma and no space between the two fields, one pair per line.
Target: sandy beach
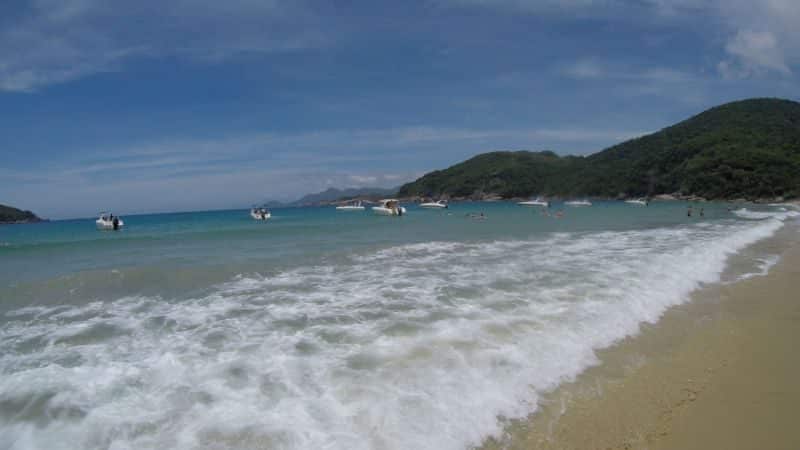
719,372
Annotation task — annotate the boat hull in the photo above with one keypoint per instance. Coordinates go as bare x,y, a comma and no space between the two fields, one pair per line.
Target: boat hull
382,211
533,204
350,208
108,224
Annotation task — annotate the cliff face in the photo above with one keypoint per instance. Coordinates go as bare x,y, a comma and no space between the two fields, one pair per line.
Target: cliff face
745,149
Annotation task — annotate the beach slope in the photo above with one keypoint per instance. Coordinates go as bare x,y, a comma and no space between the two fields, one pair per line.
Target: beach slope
719,372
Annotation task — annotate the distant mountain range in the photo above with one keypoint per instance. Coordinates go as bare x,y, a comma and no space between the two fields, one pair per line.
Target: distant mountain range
745,149
10,214
334,195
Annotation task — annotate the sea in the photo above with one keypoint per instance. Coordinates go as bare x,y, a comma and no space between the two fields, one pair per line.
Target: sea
320,329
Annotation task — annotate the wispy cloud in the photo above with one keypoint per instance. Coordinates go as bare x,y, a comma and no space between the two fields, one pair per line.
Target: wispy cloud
758,37
588,69
608,9
180,174
54,41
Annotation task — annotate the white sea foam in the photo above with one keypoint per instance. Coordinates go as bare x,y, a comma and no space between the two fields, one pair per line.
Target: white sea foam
763,265
781,214
424,346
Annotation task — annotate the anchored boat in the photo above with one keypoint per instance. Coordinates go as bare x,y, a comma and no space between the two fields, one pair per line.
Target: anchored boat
638,201
537,202
578,203
260,213
108,221
355,205
389,207
441,204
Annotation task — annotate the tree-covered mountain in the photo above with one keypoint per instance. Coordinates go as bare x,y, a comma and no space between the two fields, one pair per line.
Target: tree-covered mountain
14,215
744,149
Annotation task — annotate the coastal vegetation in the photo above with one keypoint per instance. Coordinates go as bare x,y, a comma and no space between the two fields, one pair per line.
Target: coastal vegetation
9,214
745,149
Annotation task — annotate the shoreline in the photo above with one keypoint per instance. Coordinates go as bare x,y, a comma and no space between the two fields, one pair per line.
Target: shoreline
717,372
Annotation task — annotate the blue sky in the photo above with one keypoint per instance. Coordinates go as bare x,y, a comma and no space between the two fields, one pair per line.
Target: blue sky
156,106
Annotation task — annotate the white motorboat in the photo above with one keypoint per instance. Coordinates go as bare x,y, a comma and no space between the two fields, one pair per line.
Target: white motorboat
578,203
441,204
389,207
108,221
536,202
638,201
351,206
260,213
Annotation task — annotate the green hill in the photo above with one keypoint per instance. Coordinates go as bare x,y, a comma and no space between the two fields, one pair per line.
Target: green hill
14,215
744,149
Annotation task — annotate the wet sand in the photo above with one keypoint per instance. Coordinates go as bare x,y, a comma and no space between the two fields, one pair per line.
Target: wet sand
720,372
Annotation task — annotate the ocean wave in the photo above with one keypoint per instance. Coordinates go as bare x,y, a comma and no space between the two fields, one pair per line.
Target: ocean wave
780,214
422,346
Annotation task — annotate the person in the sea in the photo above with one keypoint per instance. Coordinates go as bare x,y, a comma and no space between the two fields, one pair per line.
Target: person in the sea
689,211
702,214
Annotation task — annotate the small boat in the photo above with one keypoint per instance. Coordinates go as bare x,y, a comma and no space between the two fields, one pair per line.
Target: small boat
260,213
108,221
355,205
536,202
441,204
638,201
578,203
389,207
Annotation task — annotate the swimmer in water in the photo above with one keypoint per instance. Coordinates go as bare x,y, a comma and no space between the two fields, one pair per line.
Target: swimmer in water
689,211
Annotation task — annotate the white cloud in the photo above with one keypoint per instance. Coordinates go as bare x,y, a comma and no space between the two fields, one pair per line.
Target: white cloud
611,9
55,41
585,69
536,5
754,51
588,69
757,37
377,179
363,179
763,37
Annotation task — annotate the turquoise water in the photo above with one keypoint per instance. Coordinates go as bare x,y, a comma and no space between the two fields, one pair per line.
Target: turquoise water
230,241
338,329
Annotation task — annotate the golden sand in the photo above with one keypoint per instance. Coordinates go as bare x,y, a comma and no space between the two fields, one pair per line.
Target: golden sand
721,372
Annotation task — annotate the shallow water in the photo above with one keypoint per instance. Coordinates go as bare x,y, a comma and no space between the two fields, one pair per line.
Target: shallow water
320,329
